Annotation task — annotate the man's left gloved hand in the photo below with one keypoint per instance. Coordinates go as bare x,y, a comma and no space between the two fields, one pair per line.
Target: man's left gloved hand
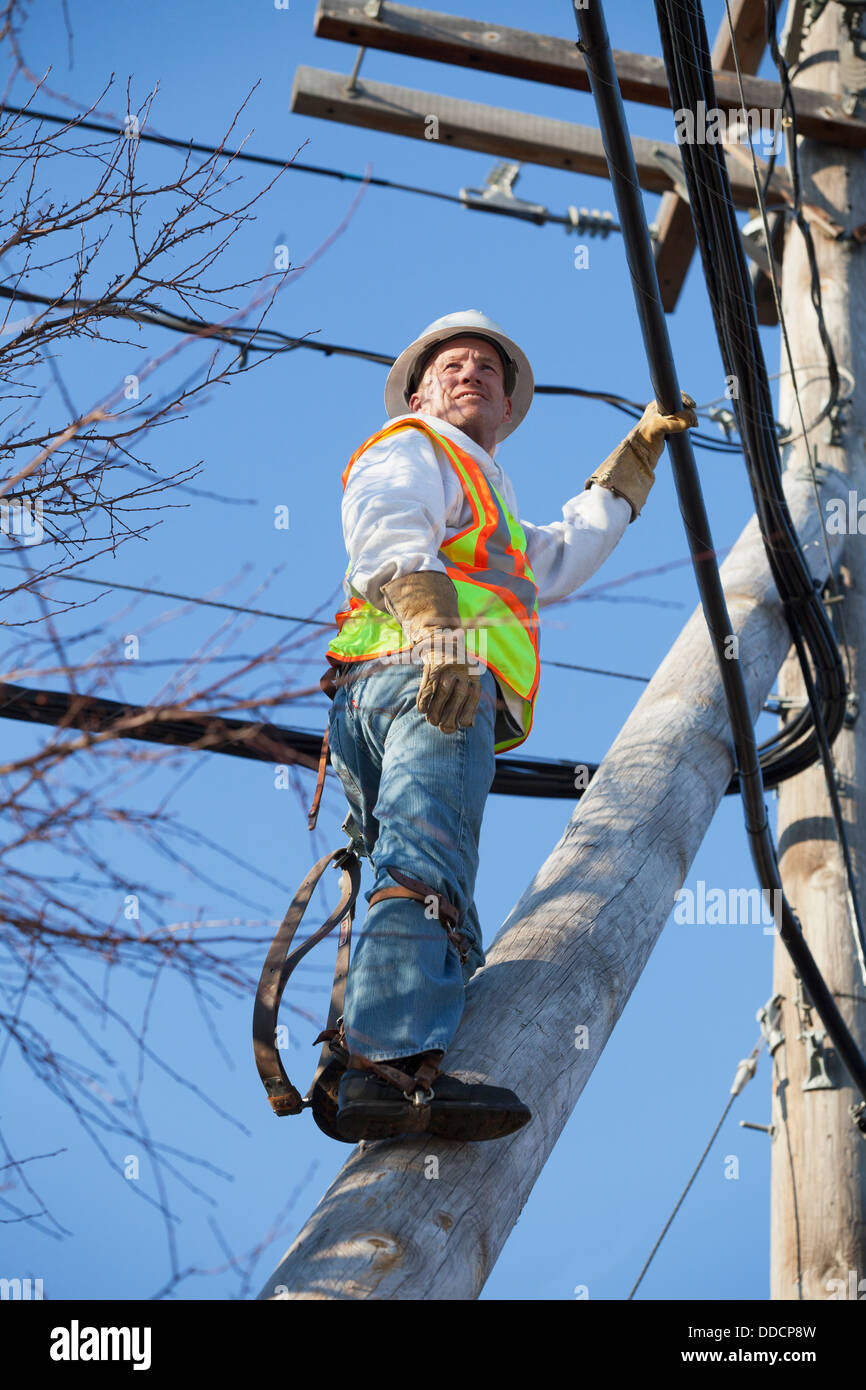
425,605
630,470
653,427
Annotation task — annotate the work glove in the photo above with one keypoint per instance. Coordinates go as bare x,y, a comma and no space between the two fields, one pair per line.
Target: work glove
425,606
629,470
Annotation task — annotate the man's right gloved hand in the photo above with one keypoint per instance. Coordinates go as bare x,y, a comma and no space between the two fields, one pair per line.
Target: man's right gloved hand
425,605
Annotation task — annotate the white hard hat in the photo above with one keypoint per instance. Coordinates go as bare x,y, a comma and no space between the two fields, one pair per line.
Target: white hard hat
404,375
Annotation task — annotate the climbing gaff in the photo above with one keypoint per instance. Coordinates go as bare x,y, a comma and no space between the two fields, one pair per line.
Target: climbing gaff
594,44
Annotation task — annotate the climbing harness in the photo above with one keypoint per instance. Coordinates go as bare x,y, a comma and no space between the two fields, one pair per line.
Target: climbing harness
335,1058
416,1087
446,912
284,1097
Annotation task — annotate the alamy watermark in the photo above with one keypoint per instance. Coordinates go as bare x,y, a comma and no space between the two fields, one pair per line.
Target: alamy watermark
22,517
729,907
445,645
762,126
21,1289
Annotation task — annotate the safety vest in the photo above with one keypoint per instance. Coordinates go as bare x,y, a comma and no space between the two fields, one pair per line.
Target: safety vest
497,597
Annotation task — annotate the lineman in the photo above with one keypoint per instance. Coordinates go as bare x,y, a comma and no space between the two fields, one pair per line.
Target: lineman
434,670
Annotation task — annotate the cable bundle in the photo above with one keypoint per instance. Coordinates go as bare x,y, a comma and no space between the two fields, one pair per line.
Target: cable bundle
687,59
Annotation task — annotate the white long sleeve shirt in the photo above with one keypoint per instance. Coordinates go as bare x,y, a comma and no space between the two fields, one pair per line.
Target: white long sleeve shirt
403,500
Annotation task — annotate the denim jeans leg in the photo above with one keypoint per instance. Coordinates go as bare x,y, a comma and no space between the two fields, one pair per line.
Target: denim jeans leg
420,798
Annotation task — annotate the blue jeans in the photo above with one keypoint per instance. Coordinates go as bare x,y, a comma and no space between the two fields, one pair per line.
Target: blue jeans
417,796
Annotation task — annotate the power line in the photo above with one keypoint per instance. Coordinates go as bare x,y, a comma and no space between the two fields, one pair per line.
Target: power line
271,340
182,598
745,1072
148,591
280,617
582,220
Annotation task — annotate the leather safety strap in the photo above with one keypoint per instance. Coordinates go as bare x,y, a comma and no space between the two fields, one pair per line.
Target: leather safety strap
313,814
446,912
425,1073
328,684
285,1099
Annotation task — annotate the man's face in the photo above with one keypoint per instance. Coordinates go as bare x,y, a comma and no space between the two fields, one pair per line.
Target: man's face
464,383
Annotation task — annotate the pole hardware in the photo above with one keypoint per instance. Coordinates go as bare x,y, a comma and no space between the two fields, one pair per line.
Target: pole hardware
752,234
497,195
837,421
724,418
765,1129
673,167
817,1060
818,1076
849,101
373,9
770,1019
593,223
745,1072
351,88
821,472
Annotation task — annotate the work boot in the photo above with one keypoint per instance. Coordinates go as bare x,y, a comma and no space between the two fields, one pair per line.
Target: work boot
373,1107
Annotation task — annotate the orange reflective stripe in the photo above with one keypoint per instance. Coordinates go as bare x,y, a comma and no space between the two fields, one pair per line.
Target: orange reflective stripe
486,558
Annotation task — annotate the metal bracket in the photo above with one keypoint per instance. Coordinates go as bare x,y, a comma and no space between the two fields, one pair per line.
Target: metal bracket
765,1129
770,1019
356,840
817,1059
853,23
752,237
724,418
351,88
373,9
673,167
837,422
852,709
822,472
497,195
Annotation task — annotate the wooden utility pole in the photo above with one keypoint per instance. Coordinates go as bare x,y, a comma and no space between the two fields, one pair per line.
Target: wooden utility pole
818,1206
426,1219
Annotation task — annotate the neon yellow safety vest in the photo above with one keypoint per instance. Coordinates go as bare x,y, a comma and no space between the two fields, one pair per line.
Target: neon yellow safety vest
497,597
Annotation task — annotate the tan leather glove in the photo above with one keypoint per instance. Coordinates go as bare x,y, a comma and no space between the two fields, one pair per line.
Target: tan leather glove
628,471
425,605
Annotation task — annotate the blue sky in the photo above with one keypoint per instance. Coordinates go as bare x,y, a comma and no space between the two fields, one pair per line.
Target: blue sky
281,435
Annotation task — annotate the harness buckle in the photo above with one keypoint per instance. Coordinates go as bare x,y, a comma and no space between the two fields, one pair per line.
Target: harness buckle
416,1097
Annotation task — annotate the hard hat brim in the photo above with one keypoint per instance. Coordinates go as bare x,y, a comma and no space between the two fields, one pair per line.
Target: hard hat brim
396,387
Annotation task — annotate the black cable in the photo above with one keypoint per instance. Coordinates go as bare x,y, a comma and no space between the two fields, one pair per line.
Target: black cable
797,745
686,52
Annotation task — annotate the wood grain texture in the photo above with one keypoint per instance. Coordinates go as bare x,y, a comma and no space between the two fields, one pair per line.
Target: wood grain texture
818,1181
493,130
486,46
568,955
